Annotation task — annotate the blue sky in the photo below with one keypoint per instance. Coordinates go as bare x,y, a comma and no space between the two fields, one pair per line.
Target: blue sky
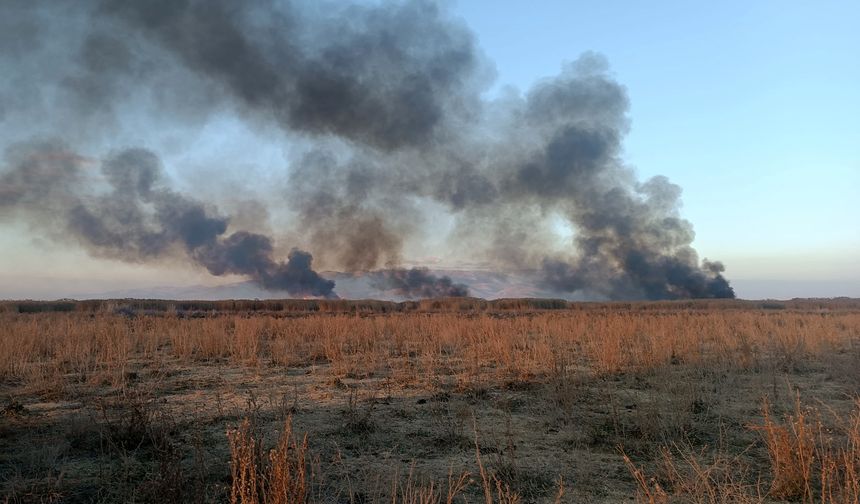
752,107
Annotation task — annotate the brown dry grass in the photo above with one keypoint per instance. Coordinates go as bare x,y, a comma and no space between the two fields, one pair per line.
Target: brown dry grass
280,478
130,403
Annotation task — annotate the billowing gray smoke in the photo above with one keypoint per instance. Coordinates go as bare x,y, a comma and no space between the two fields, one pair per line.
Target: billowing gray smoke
379,76
135,218
382,107
418,283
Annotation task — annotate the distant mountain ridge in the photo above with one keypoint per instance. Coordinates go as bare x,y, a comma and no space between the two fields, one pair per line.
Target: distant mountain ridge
482,284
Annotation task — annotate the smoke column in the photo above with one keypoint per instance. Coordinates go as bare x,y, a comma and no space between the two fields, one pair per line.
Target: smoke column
136,219
385,102
418,283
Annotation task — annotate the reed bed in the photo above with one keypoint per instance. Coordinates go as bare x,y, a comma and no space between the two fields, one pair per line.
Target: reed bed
34,347
432,402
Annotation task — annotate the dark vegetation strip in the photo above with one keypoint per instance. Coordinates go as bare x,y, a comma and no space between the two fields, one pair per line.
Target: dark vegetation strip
298,306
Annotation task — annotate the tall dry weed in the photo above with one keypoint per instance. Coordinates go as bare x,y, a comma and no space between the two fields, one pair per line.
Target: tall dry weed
278,477
810,461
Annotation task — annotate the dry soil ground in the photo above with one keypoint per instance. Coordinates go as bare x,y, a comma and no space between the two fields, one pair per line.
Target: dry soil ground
683,402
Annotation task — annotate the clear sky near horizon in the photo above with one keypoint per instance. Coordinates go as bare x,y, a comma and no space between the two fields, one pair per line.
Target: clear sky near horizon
753,108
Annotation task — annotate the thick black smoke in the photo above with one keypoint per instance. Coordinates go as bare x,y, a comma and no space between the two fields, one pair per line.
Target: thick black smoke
418,283
135,218
385,103
384,76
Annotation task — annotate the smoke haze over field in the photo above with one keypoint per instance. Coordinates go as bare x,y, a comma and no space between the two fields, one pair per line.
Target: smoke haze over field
136,218
381,107
418,283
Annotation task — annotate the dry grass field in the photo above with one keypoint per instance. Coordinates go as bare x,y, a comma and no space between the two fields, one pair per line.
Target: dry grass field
430,402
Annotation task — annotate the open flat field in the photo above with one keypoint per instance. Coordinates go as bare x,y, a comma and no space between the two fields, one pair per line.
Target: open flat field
433,401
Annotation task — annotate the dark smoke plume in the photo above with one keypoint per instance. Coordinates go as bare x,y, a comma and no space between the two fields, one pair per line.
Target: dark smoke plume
418,283
135,218
381,108
383,76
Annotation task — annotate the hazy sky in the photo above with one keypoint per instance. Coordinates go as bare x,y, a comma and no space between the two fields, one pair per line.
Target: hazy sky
753,108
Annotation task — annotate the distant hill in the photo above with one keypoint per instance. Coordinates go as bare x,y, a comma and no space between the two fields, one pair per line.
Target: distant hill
482,284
